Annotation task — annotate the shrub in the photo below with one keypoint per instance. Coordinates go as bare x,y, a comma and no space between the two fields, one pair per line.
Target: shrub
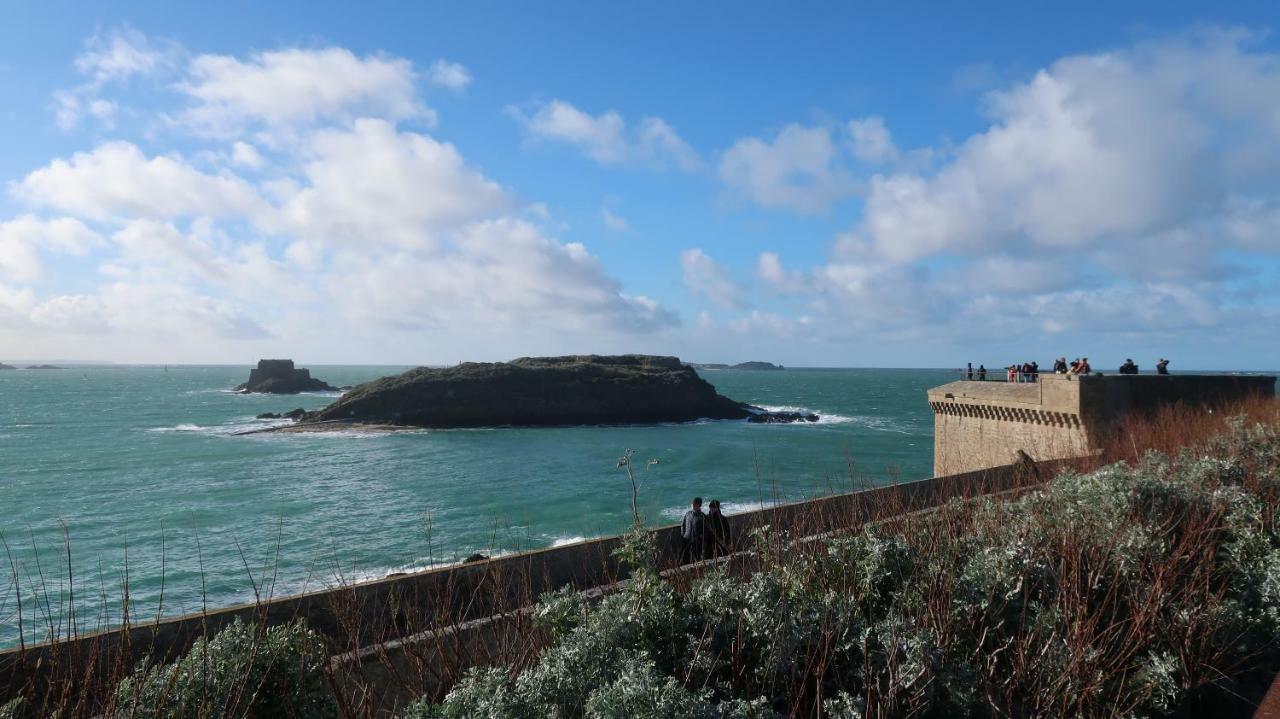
240,672
1136,589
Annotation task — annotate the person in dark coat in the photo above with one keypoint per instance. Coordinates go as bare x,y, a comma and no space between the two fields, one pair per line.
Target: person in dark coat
1162,367
718,539
693,530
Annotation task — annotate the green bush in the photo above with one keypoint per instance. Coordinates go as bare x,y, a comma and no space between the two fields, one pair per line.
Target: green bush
240,672
1130,591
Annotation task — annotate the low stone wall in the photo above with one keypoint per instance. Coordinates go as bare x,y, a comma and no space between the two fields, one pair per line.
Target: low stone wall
374,613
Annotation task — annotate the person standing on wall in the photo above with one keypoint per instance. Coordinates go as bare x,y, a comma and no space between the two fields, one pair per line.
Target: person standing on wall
718,540
1162,367
693,530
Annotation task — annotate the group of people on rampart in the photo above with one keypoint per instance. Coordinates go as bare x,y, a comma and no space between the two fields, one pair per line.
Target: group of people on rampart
1030,371
704,535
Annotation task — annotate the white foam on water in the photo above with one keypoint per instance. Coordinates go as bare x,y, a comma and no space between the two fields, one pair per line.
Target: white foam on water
565,541
823,417
726,508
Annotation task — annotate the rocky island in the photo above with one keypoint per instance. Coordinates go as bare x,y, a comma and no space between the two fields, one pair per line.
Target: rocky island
4,366
43,366
760,366
279,376
540,391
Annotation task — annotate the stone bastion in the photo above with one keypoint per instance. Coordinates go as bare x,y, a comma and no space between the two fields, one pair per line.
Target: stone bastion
985,424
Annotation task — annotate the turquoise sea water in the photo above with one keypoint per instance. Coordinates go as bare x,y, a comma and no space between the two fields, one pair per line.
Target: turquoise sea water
133,459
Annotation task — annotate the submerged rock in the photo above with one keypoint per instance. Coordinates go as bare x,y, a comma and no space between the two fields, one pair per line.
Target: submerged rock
279,376
538,391
298,413
782,417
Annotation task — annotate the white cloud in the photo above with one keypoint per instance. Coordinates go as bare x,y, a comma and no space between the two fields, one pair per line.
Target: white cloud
114,57
606,139
120,54
374,185
799,170
706,278
246,155
769,268
23,238
449,75
289,86
1095,150
613,221
498,273
117,180
871,141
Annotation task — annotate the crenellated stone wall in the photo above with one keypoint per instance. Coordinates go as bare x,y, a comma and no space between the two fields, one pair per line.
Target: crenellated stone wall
986,424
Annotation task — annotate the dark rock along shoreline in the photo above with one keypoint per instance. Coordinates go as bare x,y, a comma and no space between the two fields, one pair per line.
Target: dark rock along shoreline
543,391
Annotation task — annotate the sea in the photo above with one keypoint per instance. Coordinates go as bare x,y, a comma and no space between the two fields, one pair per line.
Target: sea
133,487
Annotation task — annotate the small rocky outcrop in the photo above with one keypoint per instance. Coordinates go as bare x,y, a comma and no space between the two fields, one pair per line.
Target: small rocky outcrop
43,366
782,417
765,366
294,414
4,366
279,376
538,391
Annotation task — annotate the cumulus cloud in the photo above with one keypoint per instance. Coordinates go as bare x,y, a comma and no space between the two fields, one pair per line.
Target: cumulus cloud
799,170
23,238
606,138
704,277
1101,197
347,222
871,141
295,85
449,75
376,185
117,180
502,272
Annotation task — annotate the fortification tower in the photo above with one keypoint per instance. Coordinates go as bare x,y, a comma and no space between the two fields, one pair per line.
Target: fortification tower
984,424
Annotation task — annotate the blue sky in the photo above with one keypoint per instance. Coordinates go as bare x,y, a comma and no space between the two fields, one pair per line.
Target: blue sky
820,184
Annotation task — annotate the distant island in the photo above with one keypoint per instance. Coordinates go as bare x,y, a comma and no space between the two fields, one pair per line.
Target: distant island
43,366
4,366
539,391
279,376
766,366
757,366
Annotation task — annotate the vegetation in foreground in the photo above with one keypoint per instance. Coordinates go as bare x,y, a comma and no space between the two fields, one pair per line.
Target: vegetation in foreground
1145,589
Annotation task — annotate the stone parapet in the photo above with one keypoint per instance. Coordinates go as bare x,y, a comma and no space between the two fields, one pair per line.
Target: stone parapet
986,424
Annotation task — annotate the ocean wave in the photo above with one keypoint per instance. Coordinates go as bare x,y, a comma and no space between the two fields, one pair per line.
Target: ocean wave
823,417
727,508
565,541
242,424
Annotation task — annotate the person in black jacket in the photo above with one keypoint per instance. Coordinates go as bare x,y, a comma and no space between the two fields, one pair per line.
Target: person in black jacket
718,540
693,530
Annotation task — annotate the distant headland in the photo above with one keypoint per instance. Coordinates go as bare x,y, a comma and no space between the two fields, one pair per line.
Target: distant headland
539,391
764,366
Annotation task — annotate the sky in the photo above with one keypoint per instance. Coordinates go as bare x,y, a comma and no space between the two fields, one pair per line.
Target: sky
814,184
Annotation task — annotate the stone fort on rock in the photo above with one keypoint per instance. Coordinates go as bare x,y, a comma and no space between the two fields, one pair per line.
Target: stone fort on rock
985,424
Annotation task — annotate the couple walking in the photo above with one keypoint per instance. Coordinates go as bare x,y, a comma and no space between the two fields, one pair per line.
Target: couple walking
704,535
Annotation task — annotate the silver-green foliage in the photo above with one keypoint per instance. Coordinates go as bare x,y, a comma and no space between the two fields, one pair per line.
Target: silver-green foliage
1116,592
240,672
